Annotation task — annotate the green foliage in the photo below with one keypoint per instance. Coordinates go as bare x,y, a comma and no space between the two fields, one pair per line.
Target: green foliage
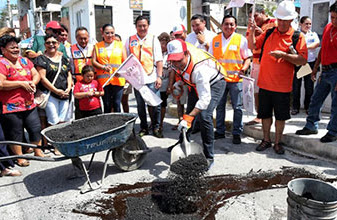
269,10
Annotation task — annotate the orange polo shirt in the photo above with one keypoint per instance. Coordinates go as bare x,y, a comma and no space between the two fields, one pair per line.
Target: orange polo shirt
277,74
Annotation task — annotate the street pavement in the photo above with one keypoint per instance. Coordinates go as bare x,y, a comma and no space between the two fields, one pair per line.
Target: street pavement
45,192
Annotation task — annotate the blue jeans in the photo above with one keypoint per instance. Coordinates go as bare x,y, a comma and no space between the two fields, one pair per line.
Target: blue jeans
325,86
235,91
112,98
206,119
154,111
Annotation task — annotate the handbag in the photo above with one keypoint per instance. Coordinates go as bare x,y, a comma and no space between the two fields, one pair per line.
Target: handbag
41,98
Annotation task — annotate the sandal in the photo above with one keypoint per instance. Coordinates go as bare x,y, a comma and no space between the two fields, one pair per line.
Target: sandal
278,148
10,172
263,145
24,163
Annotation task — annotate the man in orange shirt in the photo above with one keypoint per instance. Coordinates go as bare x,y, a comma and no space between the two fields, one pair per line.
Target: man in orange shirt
326,84
276,72
262,23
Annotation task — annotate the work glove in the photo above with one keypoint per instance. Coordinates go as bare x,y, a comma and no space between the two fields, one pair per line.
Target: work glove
186,122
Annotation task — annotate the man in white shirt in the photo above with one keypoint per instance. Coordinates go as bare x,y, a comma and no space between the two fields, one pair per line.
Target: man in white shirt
231,50
200,37
201,72
147,49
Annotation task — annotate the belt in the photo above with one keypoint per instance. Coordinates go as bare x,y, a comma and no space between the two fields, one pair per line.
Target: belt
329,67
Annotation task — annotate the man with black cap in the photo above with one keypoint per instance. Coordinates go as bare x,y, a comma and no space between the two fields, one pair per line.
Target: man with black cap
204,74
38,48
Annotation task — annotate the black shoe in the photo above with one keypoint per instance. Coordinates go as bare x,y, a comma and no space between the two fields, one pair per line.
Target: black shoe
328,138
157,133
294,112
306,131
210,163
218,136
236,139
143,132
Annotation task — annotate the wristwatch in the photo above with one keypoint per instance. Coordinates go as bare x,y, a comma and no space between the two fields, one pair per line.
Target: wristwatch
161,77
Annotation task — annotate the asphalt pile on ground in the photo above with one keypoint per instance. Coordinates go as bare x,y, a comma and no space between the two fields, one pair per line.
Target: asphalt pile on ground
187,186
147,200
87,127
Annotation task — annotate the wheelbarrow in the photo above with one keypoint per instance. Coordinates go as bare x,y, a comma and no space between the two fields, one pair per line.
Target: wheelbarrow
128,150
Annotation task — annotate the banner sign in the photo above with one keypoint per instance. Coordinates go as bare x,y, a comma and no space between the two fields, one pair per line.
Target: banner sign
132,70
136,4
248,94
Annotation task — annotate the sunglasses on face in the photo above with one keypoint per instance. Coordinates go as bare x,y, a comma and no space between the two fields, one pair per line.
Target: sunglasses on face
51,42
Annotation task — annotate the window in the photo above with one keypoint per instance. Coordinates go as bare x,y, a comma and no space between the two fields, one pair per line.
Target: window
103,15
136,13
320,17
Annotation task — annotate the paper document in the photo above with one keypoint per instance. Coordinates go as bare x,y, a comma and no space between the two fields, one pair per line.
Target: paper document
303,71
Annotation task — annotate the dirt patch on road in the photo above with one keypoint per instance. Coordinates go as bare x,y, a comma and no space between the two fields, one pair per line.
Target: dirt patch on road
143,200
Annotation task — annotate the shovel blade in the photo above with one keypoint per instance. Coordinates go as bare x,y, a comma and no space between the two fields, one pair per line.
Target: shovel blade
185,149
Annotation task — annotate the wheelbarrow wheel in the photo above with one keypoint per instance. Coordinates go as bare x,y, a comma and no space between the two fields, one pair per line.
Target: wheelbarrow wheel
126,161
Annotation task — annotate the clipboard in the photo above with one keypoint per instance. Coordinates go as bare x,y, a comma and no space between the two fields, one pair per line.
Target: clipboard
303,71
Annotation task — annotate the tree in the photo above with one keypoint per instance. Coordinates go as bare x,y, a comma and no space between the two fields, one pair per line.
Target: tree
4,15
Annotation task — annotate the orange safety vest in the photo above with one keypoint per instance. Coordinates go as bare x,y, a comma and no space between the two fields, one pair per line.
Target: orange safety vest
231,59
115,60
144,53
80,59
198,56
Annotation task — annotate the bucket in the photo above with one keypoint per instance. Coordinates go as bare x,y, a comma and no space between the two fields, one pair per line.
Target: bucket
311,199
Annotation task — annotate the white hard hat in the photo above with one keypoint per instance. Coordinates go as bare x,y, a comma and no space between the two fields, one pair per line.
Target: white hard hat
285,11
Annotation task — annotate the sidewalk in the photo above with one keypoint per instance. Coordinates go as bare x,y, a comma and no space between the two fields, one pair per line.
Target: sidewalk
308,145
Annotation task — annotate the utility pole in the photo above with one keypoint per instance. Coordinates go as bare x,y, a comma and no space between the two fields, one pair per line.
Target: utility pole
9,17
206,12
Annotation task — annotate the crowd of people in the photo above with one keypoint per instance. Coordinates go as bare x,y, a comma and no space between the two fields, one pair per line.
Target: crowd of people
199,69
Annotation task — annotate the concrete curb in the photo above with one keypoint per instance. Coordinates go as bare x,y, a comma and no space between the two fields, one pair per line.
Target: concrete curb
307,145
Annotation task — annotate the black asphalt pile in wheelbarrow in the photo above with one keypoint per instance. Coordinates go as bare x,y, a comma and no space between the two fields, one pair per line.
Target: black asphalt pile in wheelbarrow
88,127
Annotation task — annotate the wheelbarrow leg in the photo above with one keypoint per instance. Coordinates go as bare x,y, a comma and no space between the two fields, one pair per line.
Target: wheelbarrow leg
86,173
92,158
105,165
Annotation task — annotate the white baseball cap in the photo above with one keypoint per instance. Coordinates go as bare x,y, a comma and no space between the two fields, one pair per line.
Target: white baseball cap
178,29
285,10
176,49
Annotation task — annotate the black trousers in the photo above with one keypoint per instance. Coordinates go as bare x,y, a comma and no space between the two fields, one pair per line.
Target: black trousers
308,87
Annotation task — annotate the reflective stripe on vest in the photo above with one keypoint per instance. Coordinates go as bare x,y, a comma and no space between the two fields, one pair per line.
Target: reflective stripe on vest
198,56
144,52
80,59
231,59
114,61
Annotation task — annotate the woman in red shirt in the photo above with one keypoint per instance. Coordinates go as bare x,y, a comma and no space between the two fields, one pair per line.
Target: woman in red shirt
19,111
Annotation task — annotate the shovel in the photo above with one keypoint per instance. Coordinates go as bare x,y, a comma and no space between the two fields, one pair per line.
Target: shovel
183,148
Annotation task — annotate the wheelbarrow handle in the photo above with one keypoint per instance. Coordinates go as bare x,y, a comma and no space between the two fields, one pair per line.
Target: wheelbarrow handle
25,144
30,157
